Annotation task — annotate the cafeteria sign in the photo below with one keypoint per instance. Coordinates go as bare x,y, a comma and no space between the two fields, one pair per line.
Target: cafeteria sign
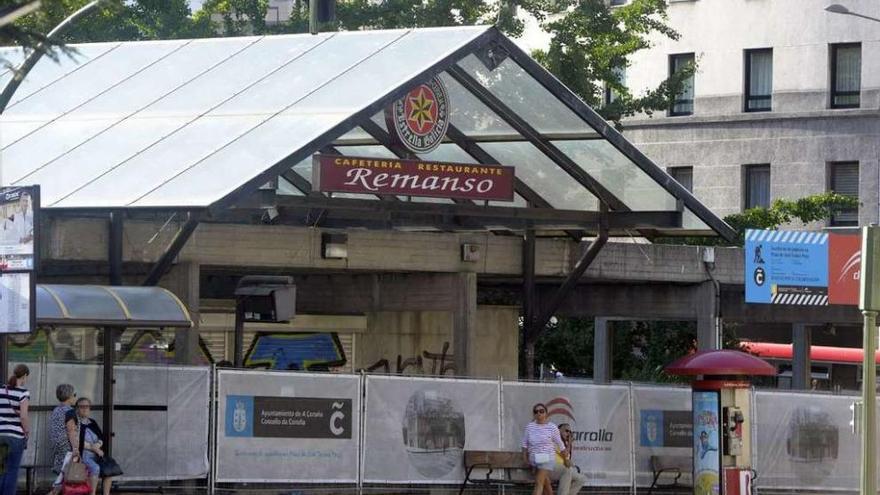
364,175
802,268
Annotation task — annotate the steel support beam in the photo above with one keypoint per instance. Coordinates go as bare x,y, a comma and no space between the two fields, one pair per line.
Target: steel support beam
535,138
574,277
528,298
164,263
801,367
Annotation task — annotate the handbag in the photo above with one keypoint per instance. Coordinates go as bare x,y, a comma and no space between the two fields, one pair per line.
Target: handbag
81,488
109,467
75,472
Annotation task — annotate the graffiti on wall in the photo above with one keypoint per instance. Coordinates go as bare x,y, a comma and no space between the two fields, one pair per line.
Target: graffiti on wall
439,363
295,351
150,346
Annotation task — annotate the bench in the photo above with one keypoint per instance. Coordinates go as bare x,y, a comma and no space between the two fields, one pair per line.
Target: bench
29,469
495,461
671,468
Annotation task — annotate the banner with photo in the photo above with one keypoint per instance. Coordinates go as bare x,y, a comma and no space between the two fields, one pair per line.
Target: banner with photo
287,427
599,416
417,429
805,441
664,428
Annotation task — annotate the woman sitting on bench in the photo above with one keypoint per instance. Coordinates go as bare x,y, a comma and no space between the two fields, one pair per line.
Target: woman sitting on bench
540,443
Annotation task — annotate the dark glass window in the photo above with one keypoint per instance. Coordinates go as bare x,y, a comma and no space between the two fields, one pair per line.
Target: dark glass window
684,101
845,180
610,93
846,75
757,186
684,176
759,79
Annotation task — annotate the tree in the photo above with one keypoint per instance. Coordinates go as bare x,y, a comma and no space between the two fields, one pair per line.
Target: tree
809,209
591,42
239,17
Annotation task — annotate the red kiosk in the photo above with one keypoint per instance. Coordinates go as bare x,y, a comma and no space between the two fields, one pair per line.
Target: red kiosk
722,418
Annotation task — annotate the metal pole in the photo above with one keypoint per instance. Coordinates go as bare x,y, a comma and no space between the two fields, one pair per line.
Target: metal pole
868,475
238,357
109,355
313,16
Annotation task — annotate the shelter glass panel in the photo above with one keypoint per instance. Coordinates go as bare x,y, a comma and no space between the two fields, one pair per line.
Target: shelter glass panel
618,174
285,188
526,97
543,175
470,116
92,80
47,72
88,302
334,99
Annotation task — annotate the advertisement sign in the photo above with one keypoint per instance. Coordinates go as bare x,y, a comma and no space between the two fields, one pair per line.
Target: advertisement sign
18,225
420,119
706,443
366,175
844,268
417,429
786,267
287,427
17,313
599,417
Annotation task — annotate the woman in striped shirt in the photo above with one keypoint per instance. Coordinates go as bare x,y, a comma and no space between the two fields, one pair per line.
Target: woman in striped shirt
540,443
14,426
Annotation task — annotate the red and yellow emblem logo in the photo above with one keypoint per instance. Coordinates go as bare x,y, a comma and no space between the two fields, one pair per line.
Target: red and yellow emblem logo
420,119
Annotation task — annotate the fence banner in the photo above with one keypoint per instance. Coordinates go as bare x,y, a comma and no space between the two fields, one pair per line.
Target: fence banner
160,424
664,428
417,429
805,441
599,416
287,427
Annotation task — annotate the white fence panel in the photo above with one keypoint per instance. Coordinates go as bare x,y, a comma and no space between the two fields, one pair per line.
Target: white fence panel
600,419
417,429
664,428
287,427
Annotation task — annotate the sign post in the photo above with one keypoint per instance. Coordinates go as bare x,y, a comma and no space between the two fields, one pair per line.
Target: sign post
869,303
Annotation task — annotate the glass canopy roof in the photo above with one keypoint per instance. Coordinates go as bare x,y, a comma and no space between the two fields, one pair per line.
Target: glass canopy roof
206,123
94,305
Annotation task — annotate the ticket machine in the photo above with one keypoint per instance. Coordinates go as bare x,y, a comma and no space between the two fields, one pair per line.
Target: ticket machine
721,394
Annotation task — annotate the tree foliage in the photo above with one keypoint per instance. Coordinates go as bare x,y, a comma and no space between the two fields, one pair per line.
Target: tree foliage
809,209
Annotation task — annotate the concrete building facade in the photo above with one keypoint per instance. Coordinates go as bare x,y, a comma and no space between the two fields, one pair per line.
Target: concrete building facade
782,87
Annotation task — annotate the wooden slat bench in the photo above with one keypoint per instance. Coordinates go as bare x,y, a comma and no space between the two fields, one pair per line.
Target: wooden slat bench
493,461
671,468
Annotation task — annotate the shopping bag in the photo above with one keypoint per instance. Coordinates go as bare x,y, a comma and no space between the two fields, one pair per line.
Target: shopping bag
75,472
109,467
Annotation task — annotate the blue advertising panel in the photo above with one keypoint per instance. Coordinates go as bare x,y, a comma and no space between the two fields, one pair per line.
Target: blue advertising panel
707,441
786,267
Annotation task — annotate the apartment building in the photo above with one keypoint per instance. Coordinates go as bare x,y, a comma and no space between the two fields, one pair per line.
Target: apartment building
784,102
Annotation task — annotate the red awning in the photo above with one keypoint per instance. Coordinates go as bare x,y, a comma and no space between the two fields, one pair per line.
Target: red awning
819,353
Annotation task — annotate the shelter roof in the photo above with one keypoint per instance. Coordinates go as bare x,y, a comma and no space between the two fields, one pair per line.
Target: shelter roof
206,124
96,305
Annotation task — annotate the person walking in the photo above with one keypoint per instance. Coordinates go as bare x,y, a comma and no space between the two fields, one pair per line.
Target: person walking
91,438
14,426
541,441
63,432
570,479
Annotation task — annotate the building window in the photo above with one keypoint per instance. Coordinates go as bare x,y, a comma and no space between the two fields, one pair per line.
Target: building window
757,186
846,75
684,176
844,179
684,101
610,94
759,79
618,2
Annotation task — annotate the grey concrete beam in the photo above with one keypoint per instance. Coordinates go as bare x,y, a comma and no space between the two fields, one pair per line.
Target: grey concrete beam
706,303
603,339
464,321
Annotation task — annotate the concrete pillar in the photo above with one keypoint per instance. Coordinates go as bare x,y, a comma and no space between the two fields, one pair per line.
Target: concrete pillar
801,374
602,355
706,303
183,281
464,320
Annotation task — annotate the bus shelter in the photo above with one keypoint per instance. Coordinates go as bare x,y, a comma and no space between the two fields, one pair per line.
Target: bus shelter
248,130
